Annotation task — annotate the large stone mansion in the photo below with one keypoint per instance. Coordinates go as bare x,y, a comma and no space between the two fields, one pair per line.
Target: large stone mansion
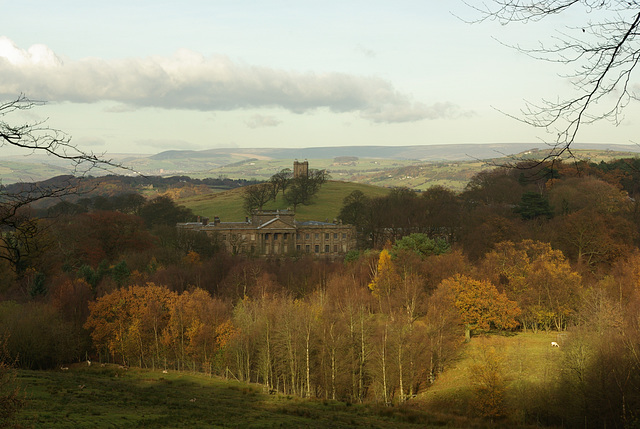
276,232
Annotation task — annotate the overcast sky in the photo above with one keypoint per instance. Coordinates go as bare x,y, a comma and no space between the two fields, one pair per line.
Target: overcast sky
141,76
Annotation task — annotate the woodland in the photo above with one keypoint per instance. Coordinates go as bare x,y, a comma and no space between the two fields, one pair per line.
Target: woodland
536,247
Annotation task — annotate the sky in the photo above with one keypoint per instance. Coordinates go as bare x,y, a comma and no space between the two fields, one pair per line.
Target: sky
142,76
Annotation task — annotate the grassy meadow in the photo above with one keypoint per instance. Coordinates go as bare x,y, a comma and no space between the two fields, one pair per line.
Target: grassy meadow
113,397
325,205
527,364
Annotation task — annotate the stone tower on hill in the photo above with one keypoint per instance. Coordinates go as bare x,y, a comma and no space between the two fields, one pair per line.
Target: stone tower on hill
300,169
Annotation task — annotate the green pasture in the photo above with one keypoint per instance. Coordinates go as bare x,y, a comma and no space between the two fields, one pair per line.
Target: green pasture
528,365
326,205
110,397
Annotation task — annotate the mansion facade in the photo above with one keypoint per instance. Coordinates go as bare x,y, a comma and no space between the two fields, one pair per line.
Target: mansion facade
276,232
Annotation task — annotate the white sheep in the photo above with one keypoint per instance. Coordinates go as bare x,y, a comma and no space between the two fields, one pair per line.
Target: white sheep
64,368
88,362
554,344
164,371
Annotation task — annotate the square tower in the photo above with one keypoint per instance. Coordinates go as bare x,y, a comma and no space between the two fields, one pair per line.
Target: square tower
300,169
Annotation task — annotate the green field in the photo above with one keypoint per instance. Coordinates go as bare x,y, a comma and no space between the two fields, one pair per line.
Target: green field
111,396
326,205
528,364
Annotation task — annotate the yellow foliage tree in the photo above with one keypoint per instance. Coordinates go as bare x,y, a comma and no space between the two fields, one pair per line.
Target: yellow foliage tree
385,280
489,385
539,278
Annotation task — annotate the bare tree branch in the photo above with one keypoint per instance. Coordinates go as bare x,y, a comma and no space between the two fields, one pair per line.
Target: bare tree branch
39,138
602,53
18,230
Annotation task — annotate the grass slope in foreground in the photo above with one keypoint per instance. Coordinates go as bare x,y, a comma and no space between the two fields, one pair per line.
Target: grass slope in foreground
111,397
325,205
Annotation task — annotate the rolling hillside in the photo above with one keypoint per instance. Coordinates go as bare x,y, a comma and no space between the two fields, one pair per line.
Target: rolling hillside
326,205
417,167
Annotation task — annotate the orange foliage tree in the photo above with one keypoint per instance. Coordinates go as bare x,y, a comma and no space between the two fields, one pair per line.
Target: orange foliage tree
480,305
128,322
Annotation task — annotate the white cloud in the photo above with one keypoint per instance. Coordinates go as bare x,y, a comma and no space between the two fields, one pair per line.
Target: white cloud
187,80
261,121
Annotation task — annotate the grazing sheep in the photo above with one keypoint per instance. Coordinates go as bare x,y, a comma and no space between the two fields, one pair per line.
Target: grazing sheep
64,368
554,344
102,365
164,371
192,400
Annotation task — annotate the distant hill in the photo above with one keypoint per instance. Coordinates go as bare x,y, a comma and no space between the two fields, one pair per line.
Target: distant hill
417,167
448,152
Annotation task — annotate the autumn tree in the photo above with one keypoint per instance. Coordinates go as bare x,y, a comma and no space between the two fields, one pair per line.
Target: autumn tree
128,323
537,277
480,305
385,279
592,238
489,384
192,329
89,238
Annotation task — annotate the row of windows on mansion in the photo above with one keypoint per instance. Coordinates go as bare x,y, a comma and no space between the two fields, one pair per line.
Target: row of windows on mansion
276,232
